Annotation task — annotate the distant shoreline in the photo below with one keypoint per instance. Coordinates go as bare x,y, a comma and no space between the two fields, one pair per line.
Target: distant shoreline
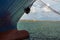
40,20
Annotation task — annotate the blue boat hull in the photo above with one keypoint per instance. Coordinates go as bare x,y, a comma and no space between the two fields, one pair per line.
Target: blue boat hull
14,9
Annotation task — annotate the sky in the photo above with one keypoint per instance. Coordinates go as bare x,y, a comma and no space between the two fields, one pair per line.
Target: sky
40,11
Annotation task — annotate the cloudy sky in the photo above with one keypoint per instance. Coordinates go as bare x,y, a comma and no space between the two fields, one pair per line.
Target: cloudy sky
40,11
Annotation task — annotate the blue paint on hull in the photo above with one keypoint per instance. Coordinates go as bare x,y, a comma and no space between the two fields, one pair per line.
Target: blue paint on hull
13,9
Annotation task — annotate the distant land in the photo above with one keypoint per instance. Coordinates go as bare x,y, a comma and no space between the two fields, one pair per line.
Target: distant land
40,20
